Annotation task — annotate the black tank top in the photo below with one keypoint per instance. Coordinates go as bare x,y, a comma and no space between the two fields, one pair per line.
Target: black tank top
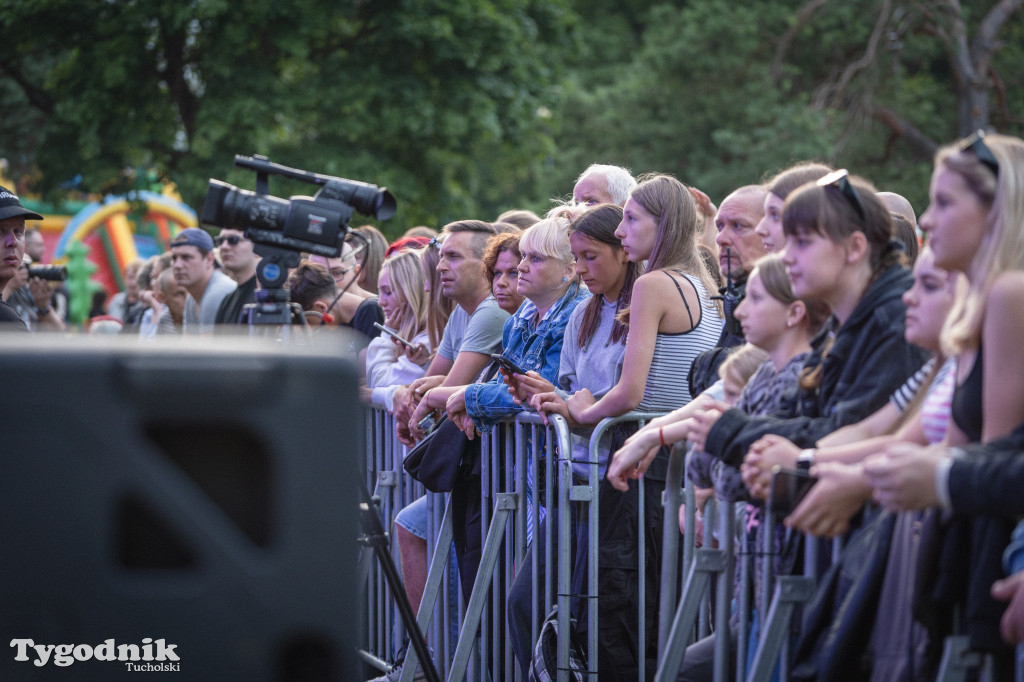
966,407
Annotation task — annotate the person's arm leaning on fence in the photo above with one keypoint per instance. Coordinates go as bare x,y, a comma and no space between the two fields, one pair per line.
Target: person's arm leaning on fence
979,479
730,434
639,450
488,403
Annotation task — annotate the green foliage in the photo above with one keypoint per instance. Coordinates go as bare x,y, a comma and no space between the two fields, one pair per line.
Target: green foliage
419,95
470,107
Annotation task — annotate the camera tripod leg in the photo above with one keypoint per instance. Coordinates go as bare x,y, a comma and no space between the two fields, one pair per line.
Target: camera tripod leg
375,536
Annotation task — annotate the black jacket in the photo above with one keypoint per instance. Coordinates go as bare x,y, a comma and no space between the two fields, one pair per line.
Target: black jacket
984,489
868,361
989,480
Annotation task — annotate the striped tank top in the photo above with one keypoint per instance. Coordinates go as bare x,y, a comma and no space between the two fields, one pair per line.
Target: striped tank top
667,387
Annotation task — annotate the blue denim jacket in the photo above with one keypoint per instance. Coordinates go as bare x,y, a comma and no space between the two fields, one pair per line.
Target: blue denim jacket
533,347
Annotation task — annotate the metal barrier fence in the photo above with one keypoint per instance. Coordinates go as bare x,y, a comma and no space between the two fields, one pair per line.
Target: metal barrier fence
512,502
511,512
525,468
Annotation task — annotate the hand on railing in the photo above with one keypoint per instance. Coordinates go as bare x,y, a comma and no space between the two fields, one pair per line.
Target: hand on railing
578,403
827,509
903,475
703,421
550,403
765,453
633,458
408,397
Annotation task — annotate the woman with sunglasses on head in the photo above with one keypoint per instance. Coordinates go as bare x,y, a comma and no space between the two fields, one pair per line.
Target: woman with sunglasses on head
974,224
917,412
839,249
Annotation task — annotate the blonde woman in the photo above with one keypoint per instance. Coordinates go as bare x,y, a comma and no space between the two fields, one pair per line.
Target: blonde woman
389,363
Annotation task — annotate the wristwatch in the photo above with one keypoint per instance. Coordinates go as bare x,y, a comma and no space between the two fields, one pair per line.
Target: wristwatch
805,460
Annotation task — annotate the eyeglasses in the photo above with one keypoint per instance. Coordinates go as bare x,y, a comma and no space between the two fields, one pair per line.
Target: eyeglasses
232,240
976,143
840,179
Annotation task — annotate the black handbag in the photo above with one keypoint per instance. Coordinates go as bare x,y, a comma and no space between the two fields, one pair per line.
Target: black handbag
437,460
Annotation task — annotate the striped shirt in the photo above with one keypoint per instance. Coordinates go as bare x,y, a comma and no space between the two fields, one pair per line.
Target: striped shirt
905,393
667,387
936,410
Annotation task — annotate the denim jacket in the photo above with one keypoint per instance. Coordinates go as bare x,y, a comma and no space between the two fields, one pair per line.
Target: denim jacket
533,347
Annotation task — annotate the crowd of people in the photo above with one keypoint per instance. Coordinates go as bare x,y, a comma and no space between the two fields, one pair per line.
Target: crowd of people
809,322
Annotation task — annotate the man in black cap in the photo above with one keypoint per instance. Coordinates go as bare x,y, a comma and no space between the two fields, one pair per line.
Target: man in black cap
12,251
194,268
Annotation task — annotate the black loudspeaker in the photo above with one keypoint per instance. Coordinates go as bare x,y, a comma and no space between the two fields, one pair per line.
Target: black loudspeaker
201,494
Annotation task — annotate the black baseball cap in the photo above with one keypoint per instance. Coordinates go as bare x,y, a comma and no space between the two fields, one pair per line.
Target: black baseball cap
10,206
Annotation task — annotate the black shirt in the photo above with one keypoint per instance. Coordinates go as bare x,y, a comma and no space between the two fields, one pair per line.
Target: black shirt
231,307
10,320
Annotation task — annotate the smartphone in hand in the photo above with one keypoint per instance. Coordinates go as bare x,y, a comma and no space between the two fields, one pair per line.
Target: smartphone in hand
506,364
396,337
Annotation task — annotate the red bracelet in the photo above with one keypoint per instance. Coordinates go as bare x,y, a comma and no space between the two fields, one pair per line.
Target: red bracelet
661,436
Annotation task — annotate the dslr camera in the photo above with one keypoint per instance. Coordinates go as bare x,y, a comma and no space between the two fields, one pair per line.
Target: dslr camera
49,273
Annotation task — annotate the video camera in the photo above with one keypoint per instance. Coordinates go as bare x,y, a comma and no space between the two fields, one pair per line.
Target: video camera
282,229
315,224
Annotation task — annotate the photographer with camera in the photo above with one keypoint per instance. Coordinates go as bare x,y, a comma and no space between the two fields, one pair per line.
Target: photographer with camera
35,248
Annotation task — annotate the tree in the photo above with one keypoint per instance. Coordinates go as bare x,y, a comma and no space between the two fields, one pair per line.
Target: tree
421,96
967,40
722,93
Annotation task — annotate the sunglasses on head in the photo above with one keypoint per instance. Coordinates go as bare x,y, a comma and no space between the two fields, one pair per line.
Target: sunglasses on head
232,239
976,144
840,179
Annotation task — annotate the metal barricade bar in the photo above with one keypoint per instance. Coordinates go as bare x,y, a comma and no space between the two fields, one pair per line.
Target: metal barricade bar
514,457
640,418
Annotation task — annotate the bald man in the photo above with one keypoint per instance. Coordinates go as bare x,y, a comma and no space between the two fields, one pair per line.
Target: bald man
739,248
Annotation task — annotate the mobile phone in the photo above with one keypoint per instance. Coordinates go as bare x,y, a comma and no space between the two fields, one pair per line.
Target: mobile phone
427,422
789,487
407,344
507,364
